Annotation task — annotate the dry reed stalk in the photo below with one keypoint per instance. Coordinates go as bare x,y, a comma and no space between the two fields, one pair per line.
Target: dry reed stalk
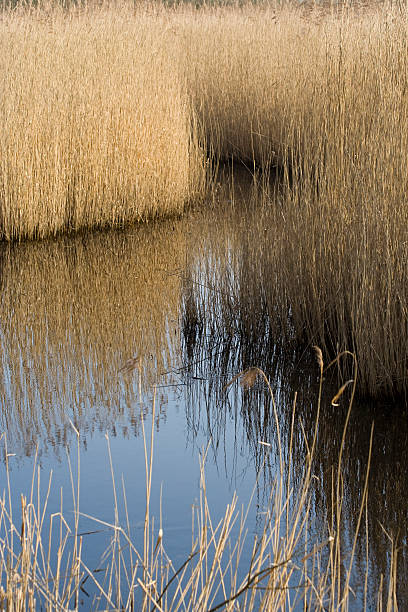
285,567
96,129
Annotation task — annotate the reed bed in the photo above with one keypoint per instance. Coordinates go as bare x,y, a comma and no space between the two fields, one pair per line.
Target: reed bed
322,96
106,113
96,128
318,95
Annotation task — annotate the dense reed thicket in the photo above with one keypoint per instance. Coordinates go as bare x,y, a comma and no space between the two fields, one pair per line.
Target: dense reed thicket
323,95
103,109
95,124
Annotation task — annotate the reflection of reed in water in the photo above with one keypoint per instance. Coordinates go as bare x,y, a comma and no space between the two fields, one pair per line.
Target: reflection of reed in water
211,406
72,313
229,326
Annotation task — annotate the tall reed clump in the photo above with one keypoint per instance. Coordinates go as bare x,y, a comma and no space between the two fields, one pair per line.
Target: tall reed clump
322,95
95,126
347,222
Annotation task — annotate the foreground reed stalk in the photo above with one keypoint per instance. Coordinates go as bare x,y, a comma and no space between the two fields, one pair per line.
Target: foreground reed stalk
287,567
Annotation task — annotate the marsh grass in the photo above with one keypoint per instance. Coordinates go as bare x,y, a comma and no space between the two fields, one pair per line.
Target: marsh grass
319,93
108,113
288,567
96,126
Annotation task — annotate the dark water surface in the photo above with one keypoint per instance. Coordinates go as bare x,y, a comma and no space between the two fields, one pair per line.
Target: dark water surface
190,303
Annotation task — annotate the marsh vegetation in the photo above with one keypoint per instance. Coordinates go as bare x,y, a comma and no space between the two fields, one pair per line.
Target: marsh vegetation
115,114
280,132
71,367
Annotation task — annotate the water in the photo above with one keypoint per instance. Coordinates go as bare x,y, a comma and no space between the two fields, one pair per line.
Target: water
181,298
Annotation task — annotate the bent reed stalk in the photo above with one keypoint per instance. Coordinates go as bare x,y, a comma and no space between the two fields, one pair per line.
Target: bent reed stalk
288,568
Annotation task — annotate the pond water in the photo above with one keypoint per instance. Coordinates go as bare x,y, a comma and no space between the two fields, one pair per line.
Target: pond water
99,331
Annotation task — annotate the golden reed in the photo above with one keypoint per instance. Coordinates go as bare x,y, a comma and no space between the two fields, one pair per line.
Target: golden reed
95,124
106,112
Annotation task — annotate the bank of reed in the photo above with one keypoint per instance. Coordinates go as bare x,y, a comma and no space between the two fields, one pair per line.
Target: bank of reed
106,113
96,127
321,95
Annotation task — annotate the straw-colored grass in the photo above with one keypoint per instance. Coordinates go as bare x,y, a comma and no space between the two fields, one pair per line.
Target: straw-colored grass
288,568
103,116
102,110
322,95
95,126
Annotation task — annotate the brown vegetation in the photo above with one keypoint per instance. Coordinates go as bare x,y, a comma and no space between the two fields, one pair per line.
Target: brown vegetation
96,128
321,94
105,114
102,110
